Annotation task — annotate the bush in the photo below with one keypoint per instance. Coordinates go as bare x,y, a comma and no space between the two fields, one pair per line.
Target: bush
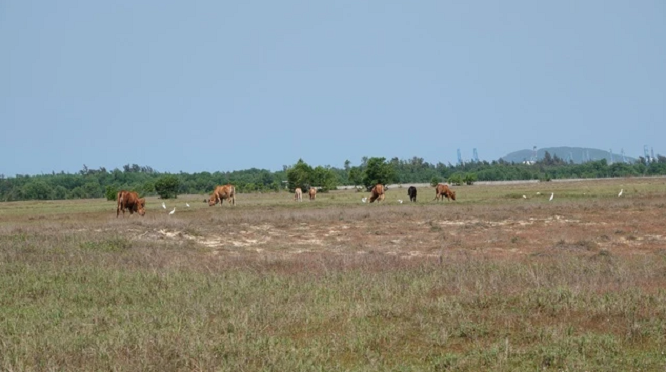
111,193
167,187
470,178
456,179
37,190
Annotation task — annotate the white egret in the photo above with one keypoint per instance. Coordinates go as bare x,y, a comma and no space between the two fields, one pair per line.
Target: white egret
524,196
163,205
399,201
551,196
187,205
620,194
364,199
173,211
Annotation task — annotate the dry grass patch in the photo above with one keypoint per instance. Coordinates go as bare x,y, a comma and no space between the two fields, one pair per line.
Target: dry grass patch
489,282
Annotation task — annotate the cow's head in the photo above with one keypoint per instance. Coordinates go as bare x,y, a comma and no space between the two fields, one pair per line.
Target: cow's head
212,200
141,206
453,195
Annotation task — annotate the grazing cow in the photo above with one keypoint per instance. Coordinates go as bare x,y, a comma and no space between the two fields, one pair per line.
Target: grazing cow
411,191
377,193
313,193
130,200
298,195
221,193
442,191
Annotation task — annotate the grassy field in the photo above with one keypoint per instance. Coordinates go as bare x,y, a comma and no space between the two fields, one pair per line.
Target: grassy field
493,281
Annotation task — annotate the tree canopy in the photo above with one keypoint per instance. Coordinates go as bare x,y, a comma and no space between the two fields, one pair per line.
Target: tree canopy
98,183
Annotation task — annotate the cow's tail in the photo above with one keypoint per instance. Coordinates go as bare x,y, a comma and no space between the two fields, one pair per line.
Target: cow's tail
120,202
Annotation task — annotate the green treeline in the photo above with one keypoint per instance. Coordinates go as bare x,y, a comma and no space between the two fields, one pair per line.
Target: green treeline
98,183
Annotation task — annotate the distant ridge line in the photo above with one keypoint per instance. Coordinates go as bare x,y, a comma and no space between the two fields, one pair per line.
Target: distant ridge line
578,155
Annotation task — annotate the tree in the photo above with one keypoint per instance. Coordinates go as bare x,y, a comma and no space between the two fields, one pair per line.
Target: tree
59,193
37,190
148,187
378,171
355,176
167,186
299,175
77,193
92,189
323,177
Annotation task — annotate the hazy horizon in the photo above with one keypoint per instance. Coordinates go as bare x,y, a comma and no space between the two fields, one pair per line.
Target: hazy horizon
213,86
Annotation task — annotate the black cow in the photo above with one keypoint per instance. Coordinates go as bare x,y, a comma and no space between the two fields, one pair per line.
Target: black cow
411,191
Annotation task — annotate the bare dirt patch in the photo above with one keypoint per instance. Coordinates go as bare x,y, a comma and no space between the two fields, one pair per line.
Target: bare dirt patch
433,231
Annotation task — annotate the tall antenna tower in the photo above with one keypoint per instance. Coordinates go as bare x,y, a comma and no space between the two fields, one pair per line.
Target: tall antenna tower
534,154
624,158
647,154
652,154
611,155
460,161
476,155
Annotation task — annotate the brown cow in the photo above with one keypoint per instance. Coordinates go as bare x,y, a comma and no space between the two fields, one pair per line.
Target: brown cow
377,193
313,193
298,195
221,193
443,191
130,200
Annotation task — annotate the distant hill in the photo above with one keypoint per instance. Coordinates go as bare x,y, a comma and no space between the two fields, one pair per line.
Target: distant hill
578,154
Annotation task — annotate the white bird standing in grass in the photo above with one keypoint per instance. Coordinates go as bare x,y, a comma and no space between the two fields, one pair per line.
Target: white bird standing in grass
364,199
187,205
399,201
173,211
551,196
524,196
620,194
163,205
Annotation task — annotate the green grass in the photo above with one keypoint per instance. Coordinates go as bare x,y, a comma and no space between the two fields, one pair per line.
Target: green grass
466,315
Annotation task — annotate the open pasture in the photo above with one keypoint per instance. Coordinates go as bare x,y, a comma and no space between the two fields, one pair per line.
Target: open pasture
493,281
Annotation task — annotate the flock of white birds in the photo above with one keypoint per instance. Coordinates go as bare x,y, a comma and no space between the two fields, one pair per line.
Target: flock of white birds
174,208
552,195
363,200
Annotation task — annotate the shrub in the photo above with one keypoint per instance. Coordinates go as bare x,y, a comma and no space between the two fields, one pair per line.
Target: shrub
167,187
111,193
456,179
470,178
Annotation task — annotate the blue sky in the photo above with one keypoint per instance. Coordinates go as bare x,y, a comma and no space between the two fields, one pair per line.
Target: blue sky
221,85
